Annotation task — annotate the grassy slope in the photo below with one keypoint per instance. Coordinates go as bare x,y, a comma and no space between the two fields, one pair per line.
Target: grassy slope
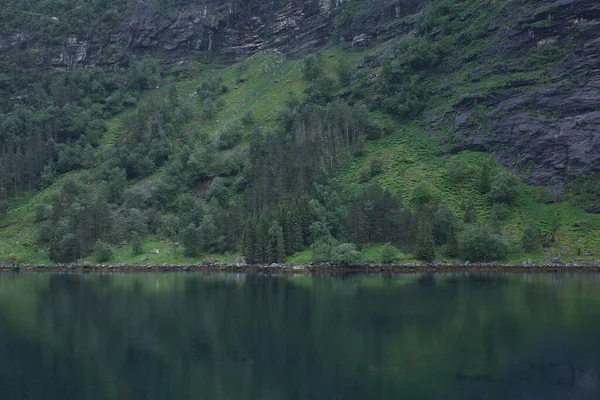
409,156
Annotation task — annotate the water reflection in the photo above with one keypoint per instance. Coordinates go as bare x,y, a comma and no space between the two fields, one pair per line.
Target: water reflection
235,336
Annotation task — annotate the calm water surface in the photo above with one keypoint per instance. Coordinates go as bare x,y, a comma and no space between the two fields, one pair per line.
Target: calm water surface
176,336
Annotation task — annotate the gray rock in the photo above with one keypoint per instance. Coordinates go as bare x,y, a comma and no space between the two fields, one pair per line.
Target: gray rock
543,132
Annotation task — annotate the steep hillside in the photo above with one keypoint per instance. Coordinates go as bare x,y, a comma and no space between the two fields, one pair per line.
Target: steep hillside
221,142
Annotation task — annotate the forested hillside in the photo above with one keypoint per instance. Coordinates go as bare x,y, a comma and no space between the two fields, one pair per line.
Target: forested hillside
349,132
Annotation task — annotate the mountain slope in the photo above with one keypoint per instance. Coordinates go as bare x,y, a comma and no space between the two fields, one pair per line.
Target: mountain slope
211,164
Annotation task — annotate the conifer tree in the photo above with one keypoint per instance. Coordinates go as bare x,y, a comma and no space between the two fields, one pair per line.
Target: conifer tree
262,243
136,244
485,178
249,241
425,245
276,245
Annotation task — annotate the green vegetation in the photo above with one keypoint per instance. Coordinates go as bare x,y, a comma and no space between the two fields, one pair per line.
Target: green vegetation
274,160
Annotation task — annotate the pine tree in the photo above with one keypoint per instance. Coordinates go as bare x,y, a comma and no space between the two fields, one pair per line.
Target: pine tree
296,232
276,245
262,241
425,245
292,232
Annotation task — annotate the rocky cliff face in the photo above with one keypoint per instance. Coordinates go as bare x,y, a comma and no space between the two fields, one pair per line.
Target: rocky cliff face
546,128
229,30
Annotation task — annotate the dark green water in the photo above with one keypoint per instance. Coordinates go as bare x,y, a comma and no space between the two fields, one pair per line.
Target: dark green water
176,336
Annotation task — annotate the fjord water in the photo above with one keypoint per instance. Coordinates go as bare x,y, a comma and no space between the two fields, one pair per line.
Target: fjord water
227,336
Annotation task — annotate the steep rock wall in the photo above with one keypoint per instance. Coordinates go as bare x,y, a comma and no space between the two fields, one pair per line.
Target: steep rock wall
227,30
543,131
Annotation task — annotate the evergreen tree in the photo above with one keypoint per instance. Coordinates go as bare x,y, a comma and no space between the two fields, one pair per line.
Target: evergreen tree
250,242
485,177
425,245
276,244
136,244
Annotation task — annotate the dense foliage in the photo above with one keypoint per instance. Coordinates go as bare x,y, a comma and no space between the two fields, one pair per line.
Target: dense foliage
170,170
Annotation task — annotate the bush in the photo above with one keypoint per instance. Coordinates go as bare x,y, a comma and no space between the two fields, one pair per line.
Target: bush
458,170
480,244
346,254
388,254
321,250
42,212
344,72
64,249
376,167
230,136
102,252
499,212
313,67
504,189
470,213
45,232
422,194
531,238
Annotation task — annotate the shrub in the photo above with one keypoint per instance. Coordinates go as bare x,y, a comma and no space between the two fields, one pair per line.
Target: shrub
344,72
480,244
422,194
313,67
42,212
321,250
230,136
458,170
45,232
531,238
376,167
388,254
102,252
64,249
346,254
504,189
499,211
470,212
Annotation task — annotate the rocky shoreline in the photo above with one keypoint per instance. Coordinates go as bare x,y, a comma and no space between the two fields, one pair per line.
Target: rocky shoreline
308,268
